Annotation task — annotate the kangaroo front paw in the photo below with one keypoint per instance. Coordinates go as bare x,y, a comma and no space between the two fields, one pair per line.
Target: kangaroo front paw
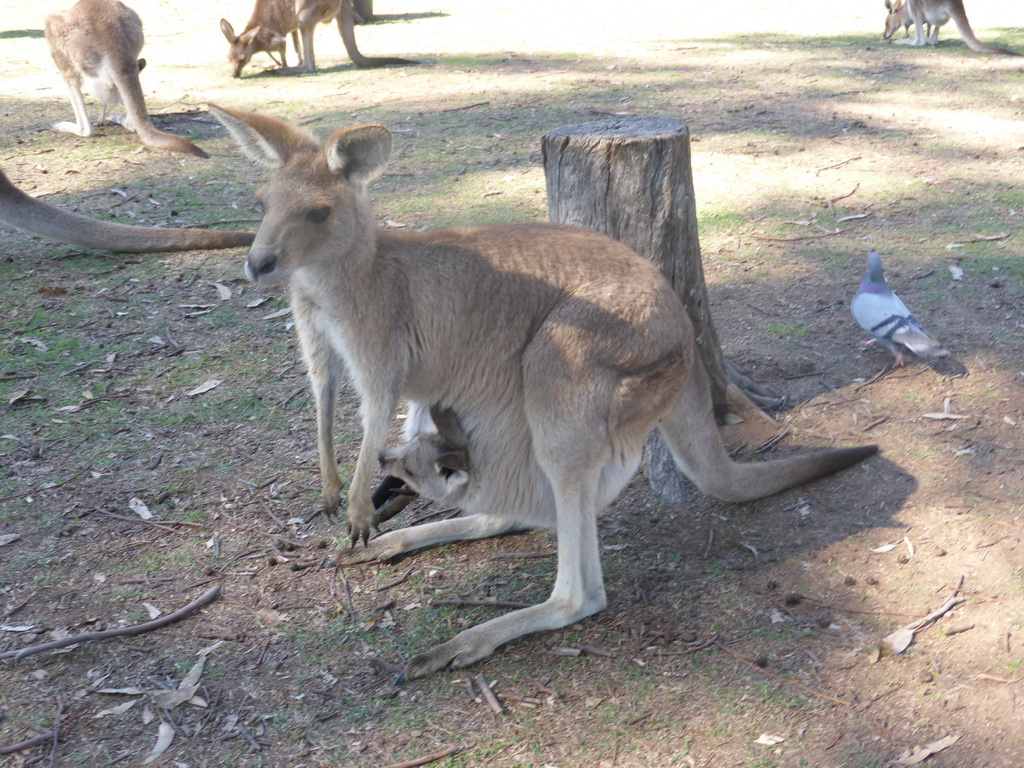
360,521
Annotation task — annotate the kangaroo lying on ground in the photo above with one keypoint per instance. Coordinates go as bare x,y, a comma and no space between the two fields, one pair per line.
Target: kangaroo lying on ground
559,348
273,19
44,220
96,44
903,13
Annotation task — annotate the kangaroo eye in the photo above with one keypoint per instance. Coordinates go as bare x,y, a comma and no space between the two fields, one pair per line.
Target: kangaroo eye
318,215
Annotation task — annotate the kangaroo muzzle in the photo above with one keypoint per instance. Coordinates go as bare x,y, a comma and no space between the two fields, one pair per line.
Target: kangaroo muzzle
257,267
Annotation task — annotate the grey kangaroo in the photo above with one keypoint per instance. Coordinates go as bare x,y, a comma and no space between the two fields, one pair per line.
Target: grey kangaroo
560,349
96,45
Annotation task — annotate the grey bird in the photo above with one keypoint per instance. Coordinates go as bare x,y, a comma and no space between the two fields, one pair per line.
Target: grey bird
882,314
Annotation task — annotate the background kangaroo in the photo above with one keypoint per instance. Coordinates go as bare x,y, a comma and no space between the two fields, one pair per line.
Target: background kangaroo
44,220
272,20
96,44
559,348
903,13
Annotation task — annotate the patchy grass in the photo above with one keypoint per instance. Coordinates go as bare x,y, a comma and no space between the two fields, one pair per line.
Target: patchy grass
813,142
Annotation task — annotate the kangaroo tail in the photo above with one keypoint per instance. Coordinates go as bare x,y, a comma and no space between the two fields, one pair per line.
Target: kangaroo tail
42,219
967,33
130,88
692,436
346,22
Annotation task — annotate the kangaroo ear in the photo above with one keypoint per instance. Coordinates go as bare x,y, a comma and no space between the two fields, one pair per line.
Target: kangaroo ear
360,154
448,424
263,139
227,30
451,475
888,4
453,460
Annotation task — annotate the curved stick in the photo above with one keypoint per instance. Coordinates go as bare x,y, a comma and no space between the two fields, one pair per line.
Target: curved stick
208,597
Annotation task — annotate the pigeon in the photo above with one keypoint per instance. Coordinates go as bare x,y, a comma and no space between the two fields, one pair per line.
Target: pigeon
881,313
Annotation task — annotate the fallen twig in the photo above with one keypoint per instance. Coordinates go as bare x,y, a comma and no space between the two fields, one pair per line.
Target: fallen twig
488,694
428,759
489,602
75,476
898,641
35,741
754,665
201,602
518,555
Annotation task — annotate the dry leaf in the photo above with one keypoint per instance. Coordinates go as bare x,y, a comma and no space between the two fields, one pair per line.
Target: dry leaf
164,737
206,386
126,691
120,709
768,740
943,416
223,291
923,753
35,343
956,272
270,616
9,628
884,548
9,538
152,610
257,302
279,313
138,506
899,640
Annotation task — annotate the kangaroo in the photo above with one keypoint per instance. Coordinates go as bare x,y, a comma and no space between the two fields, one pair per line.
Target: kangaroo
273,19
96,44
559,348
435,465
39,218
934,13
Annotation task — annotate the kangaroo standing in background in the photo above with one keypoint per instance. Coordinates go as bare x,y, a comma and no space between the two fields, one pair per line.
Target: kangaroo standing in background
903,13
559,348
39,218
96,44
272,20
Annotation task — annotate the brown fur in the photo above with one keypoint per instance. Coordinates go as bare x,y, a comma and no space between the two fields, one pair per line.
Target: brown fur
96,44
39,218
559,348
928,16
272,20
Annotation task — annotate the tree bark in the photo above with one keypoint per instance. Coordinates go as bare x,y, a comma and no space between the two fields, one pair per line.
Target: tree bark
631,179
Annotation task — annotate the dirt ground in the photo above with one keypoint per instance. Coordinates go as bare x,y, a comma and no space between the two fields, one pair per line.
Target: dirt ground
736,634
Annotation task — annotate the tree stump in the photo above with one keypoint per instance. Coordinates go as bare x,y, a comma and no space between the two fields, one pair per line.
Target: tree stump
364,10
631,179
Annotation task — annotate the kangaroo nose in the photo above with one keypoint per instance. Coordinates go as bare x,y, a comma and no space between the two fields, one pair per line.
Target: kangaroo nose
255,268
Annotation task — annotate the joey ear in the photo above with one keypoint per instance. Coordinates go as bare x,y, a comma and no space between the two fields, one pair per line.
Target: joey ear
360,154
458,477
454,460
451,475
227,30
264,139
448,424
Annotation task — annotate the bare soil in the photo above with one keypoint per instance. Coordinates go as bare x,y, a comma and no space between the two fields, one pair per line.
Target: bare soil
736,635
